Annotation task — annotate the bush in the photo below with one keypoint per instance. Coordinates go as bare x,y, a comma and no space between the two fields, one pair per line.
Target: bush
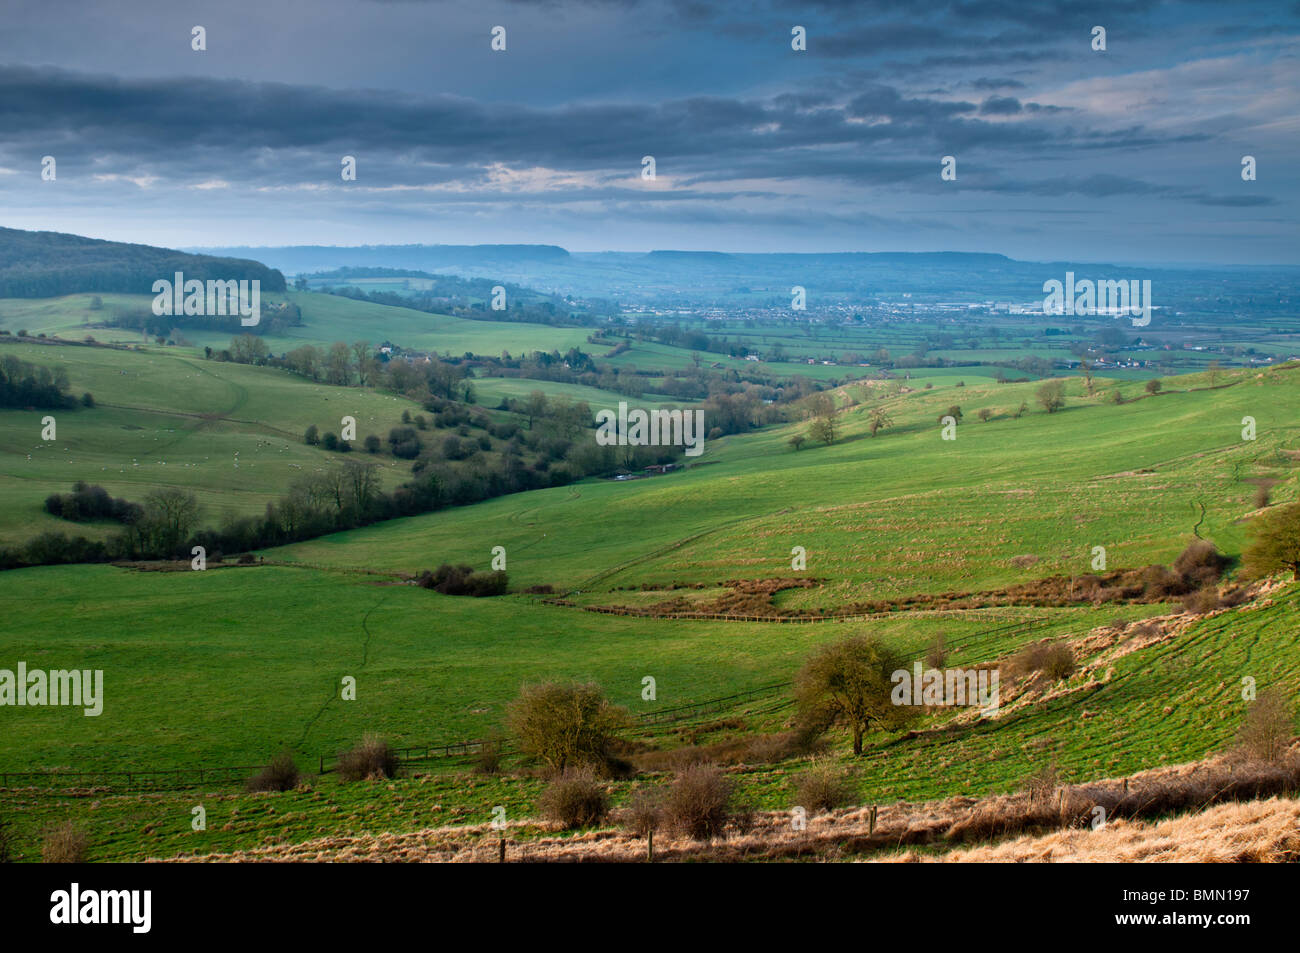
575,799
464,581
89,502
1202,601
1261,497
1055,660
64,844
373,758
312,436
1268,728
373,444
1051,395
645,812
489,757
1160,581
565,725
824,788
1200,564
281,774
698,802
404,443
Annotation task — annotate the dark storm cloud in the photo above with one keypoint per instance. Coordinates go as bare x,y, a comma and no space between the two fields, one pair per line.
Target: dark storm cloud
986,83
1000,106
275,134
743,129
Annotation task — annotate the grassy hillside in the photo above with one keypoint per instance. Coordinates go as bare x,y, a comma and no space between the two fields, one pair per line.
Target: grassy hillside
163,418
905,511
326,319
227,666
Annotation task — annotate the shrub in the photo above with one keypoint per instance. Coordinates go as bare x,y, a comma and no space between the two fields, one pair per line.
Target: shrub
330,441
1261,497
89,502
1202,601
87,399
373,758
281,774
373,444
565,725
64,844
575,799
824,787
1160,581
489,757
463,581
1200,564
1051,395
1268,728
404,443
645,812
1152,386
1055,660
698,802
312,436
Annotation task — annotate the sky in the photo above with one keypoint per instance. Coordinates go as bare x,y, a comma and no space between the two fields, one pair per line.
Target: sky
1061,151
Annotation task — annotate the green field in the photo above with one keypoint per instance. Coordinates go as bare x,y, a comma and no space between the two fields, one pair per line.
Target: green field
326,319
902,512
230,432
225,667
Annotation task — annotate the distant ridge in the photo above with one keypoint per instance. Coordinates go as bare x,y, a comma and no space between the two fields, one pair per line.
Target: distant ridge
691,255
48,264
300,259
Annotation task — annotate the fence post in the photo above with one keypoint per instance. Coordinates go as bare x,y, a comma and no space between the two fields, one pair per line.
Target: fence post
501,845
871,824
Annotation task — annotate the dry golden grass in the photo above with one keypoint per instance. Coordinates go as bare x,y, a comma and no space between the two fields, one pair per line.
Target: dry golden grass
1247,829
1250,832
